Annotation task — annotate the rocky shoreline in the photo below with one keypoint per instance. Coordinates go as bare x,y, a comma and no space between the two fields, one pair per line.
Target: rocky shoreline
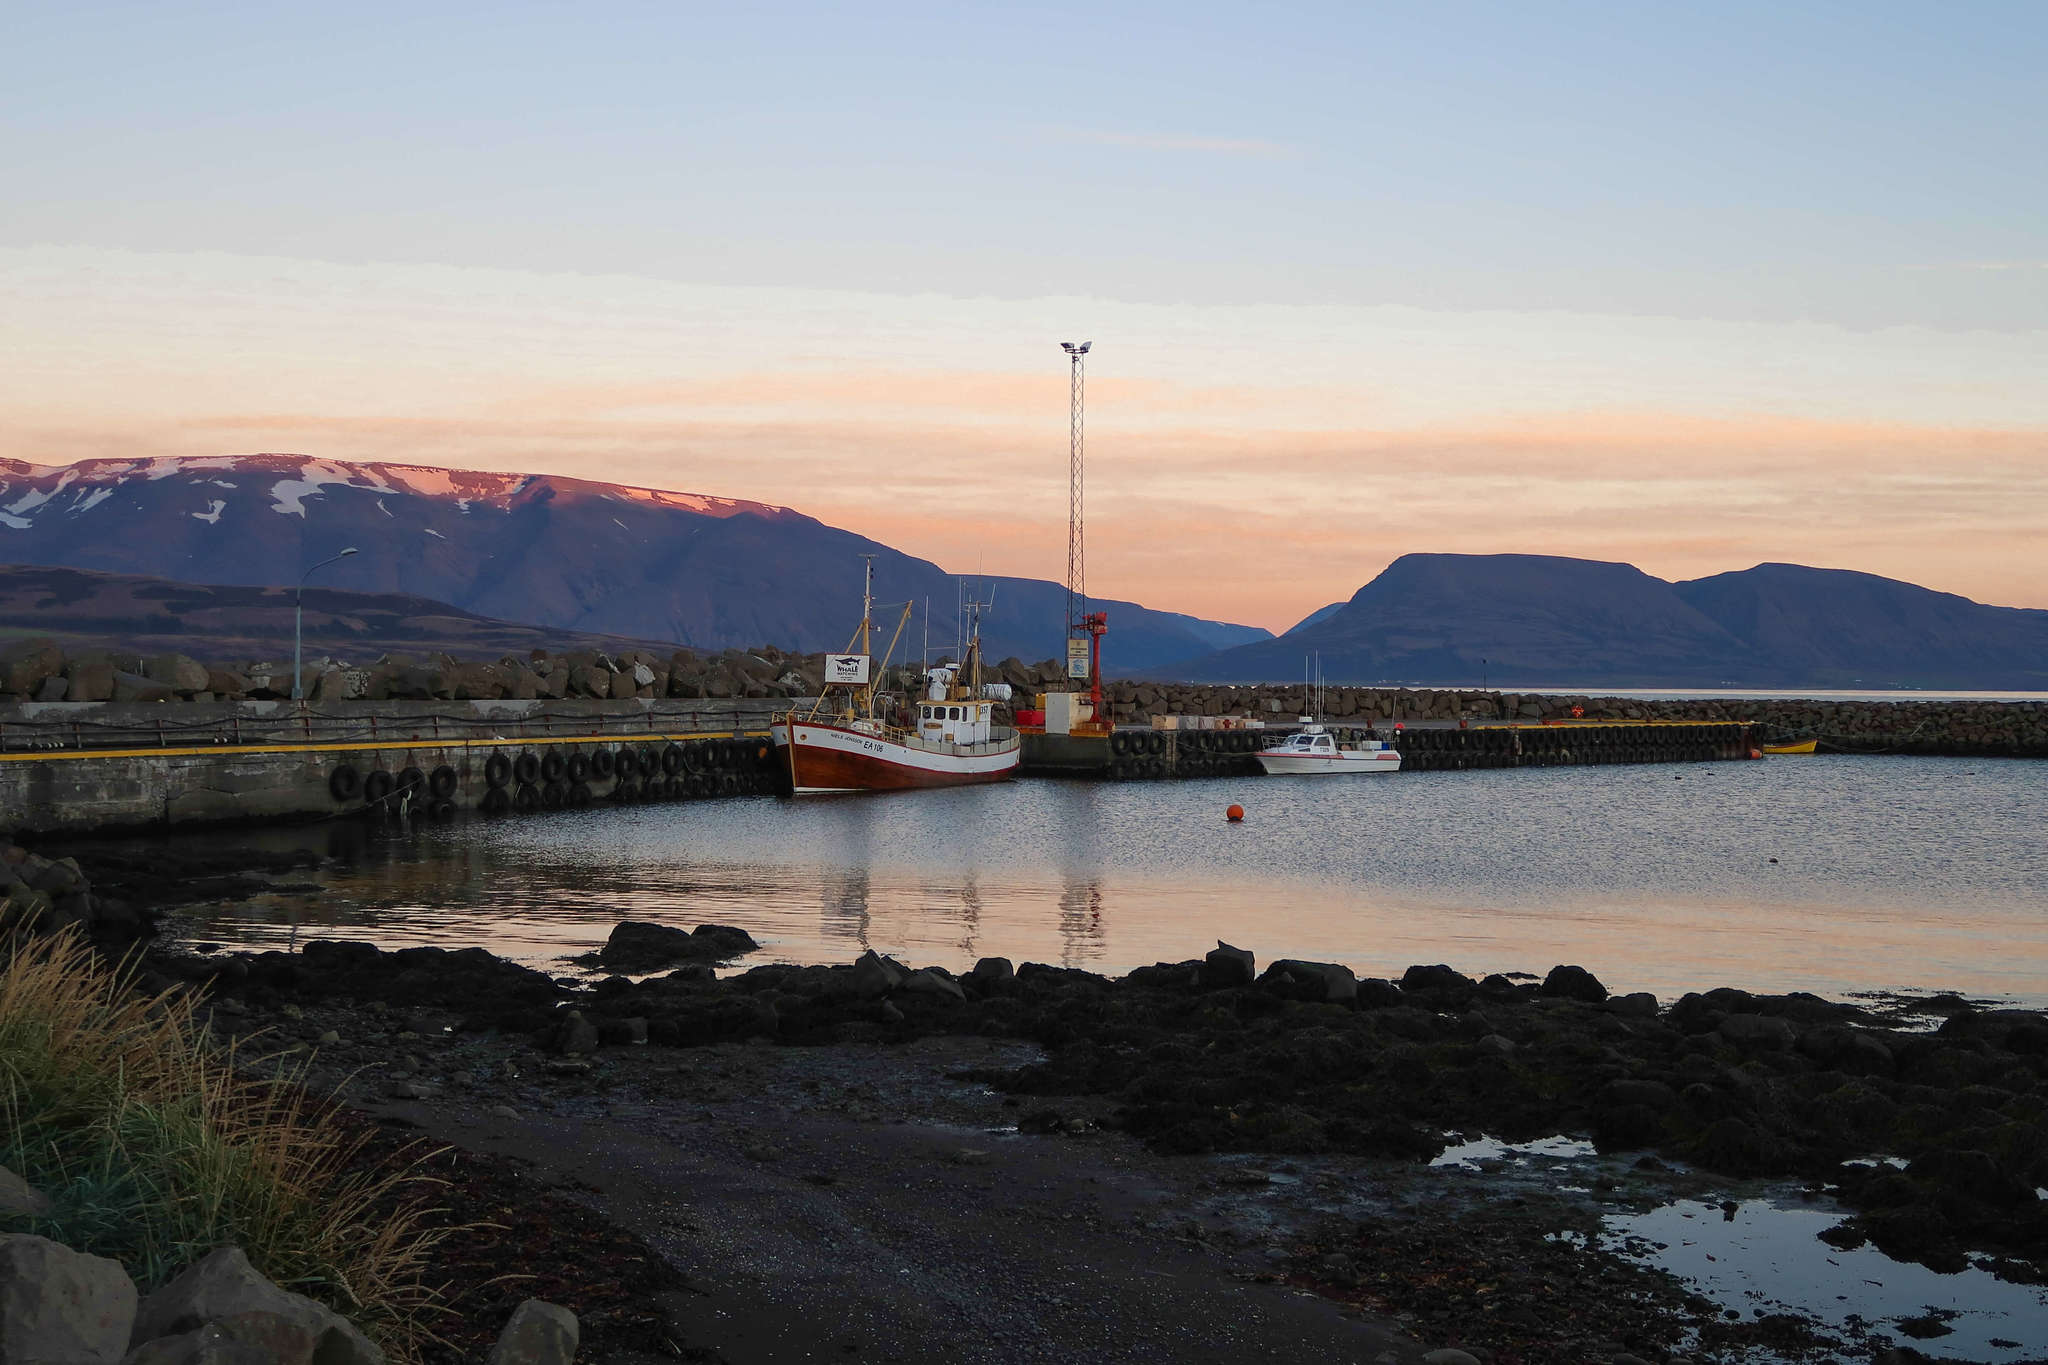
1275,1121
1213,1058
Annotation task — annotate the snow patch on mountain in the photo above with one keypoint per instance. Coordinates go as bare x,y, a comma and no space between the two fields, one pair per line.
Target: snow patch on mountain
211,516
290,494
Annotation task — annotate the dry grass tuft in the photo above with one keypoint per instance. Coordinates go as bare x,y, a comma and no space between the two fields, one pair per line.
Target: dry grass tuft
155,1149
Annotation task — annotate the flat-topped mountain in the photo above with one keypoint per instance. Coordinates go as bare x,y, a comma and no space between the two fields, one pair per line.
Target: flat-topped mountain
538,549
1545,620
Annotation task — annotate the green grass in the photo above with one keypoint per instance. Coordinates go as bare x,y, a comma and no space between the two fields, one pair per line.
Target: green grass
155,1148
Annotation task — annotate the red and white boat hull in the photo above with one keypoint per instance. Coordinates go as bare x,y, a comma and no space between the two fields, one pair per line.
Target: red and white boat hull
824,759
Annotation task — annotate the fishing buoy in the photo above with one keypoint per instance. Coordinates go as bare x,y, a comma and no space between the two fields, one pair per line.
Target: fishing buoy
1756,753
1234,815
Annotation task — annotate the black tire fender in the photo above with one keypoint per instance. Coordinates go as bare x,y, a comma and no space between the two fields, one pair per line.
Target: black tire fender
344,784
497,770
442,783
526,768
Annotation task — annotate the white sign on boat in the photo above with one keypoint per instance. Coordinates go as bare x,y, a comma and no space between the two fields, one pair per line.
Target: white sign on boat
851,669
1077,657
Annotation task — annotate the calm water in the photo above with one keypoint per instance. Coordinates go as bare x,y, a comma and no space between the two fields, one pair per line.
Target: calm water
1890,873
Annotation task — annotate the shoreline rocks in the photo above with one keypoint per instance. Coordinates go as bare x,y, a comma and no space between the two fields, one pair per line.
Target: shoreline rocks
1211,1055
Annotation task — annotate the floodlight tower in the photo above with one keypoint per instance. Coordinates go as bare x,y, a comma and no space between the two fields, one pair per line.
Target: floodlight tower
1081,623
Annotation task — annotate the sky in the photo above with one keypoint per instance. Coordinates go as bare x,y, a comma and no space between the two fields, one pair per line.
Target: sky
1693,287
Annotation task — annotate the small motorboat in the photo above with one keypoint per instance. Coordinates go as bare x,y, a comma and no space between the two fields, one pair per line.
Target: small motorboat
1313,750
1804,746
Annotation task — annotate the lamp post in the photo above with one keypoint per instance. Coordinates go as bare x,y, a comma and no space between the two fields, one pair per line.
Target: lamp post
299,623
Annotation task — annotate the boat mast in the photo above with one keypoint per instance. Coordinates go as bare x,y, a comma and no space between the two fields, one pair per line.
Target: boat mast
867,612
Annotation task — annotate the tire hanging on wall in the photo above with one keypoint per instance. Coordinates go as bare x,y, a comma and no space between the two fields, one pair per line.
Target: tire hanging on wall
442,811
579,794
552,766
377,786
578,768
442,783
497,770
672,759
344,784
603,764
626,792
526,768
675,789
624,764
526,800
495,802
410,781
553,795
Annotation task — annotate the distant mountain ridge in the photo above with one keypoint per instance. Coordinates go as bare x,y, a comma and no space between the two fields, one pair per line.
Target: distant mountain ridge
132,613
537,549
1540,619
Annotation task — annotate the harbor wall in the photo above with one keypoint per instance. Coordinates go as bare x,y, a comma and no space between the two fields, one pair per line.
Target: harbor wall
79,767
1976,729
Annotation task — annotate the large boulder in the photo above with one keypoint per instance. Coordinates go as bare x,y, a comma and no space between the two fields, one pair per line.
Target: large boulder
1224,965
1574,983
212,1344
179,672
1328,982
25,663
223,1289
538,1334
90,679
133,687
636,946
62,1307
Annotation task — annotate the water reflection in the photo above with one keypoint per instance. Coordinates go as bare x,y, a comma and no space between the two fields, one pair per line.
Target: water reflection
1831,875
1081,936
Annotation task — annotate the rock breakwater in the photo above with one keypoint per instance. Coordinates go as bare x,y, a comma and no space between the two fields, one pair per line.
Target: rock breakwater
1989,729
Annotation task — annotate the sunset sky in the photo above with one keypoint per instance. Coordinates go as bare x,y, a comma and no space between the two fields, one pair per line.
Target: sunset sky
1691,287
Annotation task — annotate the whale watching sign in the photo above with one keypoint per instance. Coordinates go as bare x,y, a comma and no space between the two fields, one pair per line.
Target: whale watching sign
847,669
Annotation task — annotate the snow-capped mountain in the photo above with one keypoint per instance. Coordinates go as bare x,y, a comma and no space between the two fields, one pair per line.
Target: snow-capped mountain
539,548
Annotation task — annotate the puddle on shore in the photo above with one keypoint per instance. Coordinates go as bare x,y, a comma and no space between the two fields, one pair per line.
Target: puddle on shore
1476,1154
1762,1254
1766,1257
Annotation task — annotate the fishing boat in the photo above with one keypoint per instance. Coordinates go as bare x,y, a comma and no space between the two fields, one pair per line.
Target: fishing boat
1313,751
1804,746
857,738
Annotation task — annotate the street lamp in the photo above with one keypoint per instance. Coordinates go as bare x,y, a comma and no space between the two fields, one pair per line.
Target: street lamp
299,623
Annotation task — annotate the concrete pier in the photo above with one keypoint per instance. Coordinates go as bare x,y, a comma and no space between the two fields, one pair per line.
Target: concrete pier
87,767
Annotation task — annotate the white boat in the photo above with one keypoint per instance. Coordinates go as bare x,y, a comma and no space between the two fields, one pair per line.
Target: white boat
1314,751
945,738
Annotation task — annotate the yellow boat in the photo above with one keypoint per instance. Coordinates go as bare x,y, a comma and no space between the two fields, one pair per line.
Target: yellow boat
1804,746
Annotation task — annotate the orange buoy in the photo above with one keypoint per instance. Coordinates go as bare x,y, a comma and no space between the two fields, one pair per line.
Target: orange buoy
1756,753
1234,814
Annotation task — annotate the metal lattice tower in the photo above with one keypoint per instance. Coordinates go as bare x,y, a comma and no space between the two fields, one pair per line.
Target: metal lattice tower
1077,558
